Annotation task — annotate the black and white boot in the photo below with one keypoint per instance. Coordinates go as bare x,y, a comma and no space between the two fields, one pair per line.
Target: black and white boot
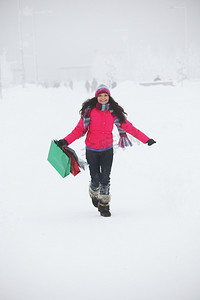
104,209
104,199
94,194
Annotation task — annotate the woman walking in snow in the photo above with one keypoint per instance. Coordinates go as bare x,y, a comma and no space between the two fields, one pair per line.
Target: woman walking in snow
98,115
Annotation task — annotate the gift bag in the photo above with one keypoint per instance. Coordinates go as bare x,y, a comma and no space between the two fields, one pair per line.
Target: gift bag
59,160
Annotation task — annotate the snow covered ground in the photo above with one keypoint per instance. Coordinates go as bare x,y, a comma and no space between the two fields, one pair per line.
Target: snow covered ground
54,244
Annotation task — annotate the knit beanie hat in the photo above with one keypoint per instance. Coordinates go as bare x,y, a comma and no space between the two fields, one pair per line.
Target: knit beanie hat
102,89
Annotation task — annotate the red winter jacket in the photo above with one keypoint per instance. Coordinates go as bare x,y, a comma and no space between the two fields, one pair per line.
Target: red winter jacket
99,134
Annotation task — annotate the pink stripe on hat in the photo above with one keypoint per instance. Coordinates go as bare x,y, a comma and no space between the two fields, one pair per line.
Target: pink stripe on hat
102,89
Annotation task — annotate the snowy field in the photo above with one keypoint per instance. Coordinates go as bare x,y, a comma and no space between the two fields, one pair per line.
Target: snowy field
55,245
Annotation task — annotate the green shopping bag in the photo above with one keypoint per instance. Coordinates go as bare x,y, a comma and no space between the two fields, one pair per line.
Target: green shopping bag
59,160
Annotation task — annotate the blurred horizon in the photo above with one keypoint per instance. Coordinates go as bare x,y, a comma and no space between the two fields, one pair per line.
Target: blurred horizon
125,40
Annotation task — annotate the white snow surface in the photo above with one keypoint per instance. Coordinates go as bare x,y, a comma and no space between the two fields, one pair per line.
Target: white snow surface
54,243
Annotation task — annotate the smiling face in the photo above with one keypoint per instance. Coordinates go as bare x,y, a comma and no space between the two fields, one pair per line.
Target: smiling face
103,98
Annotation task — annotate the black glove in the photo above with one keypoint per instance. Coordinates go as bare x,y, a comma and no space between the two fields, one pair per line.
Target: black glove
150,142
61,143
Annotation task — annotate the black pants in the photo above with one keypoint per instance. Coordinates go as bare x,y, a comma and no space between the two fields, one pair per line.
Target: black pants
100,164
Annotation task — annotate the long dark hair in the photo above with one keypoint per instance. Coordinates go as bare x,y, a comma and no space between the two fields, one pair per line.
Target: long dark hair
118,110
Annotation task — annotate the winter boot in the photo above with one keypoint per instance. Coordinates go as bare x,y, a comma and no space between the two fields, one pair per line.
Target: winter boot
104,199
94,194
104,209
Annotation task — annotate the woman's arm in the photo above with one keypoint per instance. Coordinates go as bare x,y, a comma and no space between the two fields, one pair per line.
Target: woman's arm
76,133
129,128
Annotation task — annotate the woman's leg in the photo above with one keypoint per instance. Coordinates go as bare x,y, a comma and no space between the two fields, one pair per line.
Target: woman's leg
100,164
104,194
106,159
93,159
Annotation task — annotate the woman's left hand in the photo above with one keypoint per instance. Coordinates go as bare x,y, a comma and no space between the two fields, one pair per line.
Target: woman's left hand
150,142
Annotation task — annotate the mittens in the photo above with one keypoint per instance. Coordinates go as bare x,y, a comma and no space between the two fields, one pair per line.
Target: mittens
150,142
61,143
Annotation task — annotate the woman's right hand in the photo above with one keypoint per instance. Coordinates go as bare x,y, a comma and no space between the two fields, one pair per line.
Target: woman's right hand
61,143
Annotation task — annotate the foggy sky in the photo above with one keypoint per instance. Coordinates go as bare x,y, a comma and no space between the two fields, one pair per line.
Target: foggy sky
71,32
